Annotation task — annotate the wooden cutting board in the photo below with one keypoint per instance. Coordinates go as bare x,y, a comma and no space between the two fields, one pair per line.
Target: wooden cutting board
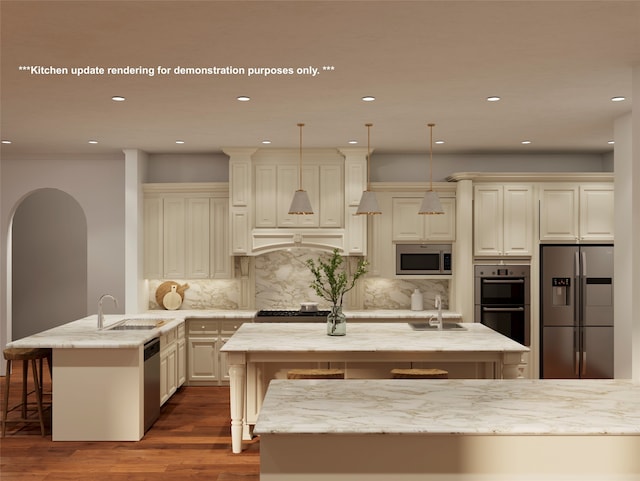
172,300
165,288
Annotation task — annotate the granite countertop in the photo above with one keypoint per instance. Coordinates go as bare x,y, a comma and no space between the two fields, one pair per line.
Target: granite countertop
367,337
485,407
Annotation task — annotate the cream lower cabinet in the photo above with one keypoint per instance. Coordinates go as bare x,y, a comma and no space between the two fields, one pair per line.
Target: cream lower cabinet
576,212
172,362
503,220
206,365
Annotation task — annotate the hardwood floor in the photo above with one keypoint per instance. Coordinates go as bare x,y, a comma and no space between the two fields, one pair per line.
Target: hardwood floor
190,440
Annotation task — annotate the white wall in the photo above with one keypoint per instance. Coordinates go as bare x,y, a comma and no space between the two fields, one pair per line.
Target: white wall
98,186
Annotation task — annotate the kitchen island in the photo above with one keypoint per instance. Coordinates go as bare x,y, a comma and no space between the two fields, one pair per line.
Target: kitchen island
255,349
462,430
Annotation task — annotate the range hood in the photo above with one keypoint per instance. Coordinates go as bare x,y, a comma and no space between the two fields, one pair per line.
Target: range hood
269,240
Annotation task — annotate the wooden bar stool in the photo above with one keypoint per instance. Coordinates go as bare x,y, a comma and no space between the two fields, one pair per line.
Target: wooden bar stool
315,374
25,355
419,374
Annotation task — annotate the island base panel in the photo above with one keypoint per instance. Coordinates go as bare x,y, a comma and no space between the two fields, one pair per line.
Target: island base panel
347,457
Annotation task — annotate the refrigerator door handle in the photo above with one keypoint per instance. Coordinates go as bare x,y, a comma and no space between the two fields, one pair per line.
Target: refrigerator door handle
576,352
583,254
584,363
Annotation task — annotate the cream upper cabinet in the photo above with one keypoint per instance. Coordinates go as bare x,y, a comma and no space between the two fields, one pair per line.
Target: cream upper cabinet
503,220
186,234
408,225
287,183
576,212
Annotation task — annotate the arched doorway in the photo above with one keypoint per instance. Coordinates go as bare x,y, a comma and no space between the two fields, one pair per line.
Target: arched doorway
48,262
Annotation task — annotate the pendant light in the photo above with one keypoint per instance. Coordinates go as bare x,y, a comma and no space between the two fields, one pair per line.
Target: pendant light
300,205
368,202
430,201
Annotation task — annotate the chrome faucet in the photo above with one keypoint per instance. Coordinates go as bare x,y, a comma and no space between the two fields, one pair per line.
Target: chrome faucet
100,314
439,322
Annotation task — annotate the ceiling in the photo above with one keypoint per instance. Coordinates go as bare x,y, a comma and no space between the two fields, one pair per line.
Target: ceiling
555,64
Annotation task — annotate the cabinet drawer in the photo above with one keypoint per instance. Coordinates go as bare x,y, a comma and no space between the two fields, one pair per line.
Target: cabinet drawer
203,326
230,326
168,338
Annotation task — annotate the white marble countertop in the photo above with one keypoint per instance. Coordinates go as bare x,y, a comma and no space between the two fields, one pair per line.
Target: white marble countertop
401,314
481,407
84,333
367,337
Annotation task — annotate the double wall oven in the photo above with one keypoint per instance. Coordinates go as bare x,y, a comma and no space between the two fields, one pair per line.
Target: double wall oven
502,300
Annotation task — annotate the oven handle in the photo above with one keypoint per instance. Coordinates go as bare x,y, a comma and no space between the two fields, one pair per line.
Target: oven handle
503,309
503,281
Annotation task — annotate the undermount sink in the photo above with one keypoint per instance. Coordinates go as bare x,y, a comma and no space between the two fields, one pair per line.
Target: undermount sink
447,326
136,324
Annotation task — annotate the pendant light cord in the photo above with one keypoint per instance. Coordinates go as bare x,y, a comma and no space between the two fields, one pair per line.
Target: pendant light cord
300,159
368,156
431,156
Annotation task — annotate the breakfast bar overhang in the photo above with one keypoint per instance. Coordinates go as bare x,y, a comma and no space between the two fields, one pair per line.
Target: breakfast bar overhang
254,346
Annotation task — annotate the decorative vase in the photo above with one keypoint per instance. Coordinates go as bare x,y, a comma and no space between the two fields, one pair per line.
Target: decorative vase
336,322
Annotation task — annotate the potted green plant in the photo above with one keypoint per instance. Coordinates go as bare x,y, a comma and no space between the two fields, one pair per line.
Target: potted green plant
331,282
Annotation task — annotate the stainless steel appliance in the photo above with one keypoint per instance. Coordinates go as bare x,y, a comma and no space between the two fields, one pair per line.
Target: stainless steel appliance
423,259
502,300
151,382
576,311
285,315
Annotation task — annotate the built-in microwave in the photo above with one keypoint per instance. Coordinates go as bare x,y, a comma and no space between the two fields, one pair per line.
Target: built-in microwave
423,259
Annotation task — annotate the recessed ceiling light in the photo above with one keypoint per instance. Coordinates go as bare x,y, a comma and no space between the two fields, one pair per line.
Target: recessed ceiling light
118,98
618,98
493,98
353,142
525,142
368,98
243,98
179,141
611,142
266,142
6,141
93,141
439,142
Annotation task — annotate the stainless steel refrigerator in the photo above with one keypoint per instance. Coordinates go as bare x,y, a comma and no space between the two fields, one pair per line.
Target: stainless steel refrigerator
577,311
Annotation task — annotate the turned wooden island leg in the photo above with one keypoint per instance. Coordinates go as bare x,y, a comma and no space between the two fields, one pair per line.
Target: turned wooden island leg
237,400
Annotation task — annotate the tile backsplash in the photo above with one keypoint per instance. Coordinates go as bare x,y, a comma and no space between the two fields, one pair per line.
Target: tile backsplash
282,281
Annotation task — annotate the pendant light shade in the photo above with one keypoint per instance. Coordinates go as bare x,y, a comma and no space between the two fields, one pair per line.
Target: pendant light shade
368,202
300,205
431,201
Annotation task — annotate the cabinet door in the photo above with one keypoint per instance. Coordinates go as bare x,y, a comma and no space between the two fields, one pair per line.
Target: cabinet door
518,220
596,212
240,232
197,238
559,213
153,235
203,365
266,196
407,224
488,220
181,361
174,237
172,369
219,239
331,196
441,227
164,389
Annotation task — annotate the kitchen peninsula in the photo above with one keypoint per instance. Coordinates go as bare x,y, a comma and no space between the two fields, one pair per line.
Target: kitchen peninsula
258,353
467,430
98,375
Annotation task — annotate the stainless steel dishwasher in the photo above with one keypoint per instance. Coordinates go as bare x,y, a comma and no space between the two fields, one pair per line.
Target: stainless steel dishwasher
151,382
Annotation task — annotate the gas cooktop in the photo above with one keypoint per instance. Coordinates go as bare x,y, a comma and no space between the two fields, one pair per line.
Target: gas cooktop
284,315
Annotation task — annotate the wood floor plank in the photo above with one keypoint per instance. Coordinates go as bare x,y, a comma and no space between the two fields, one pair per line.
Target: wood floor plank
190,441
